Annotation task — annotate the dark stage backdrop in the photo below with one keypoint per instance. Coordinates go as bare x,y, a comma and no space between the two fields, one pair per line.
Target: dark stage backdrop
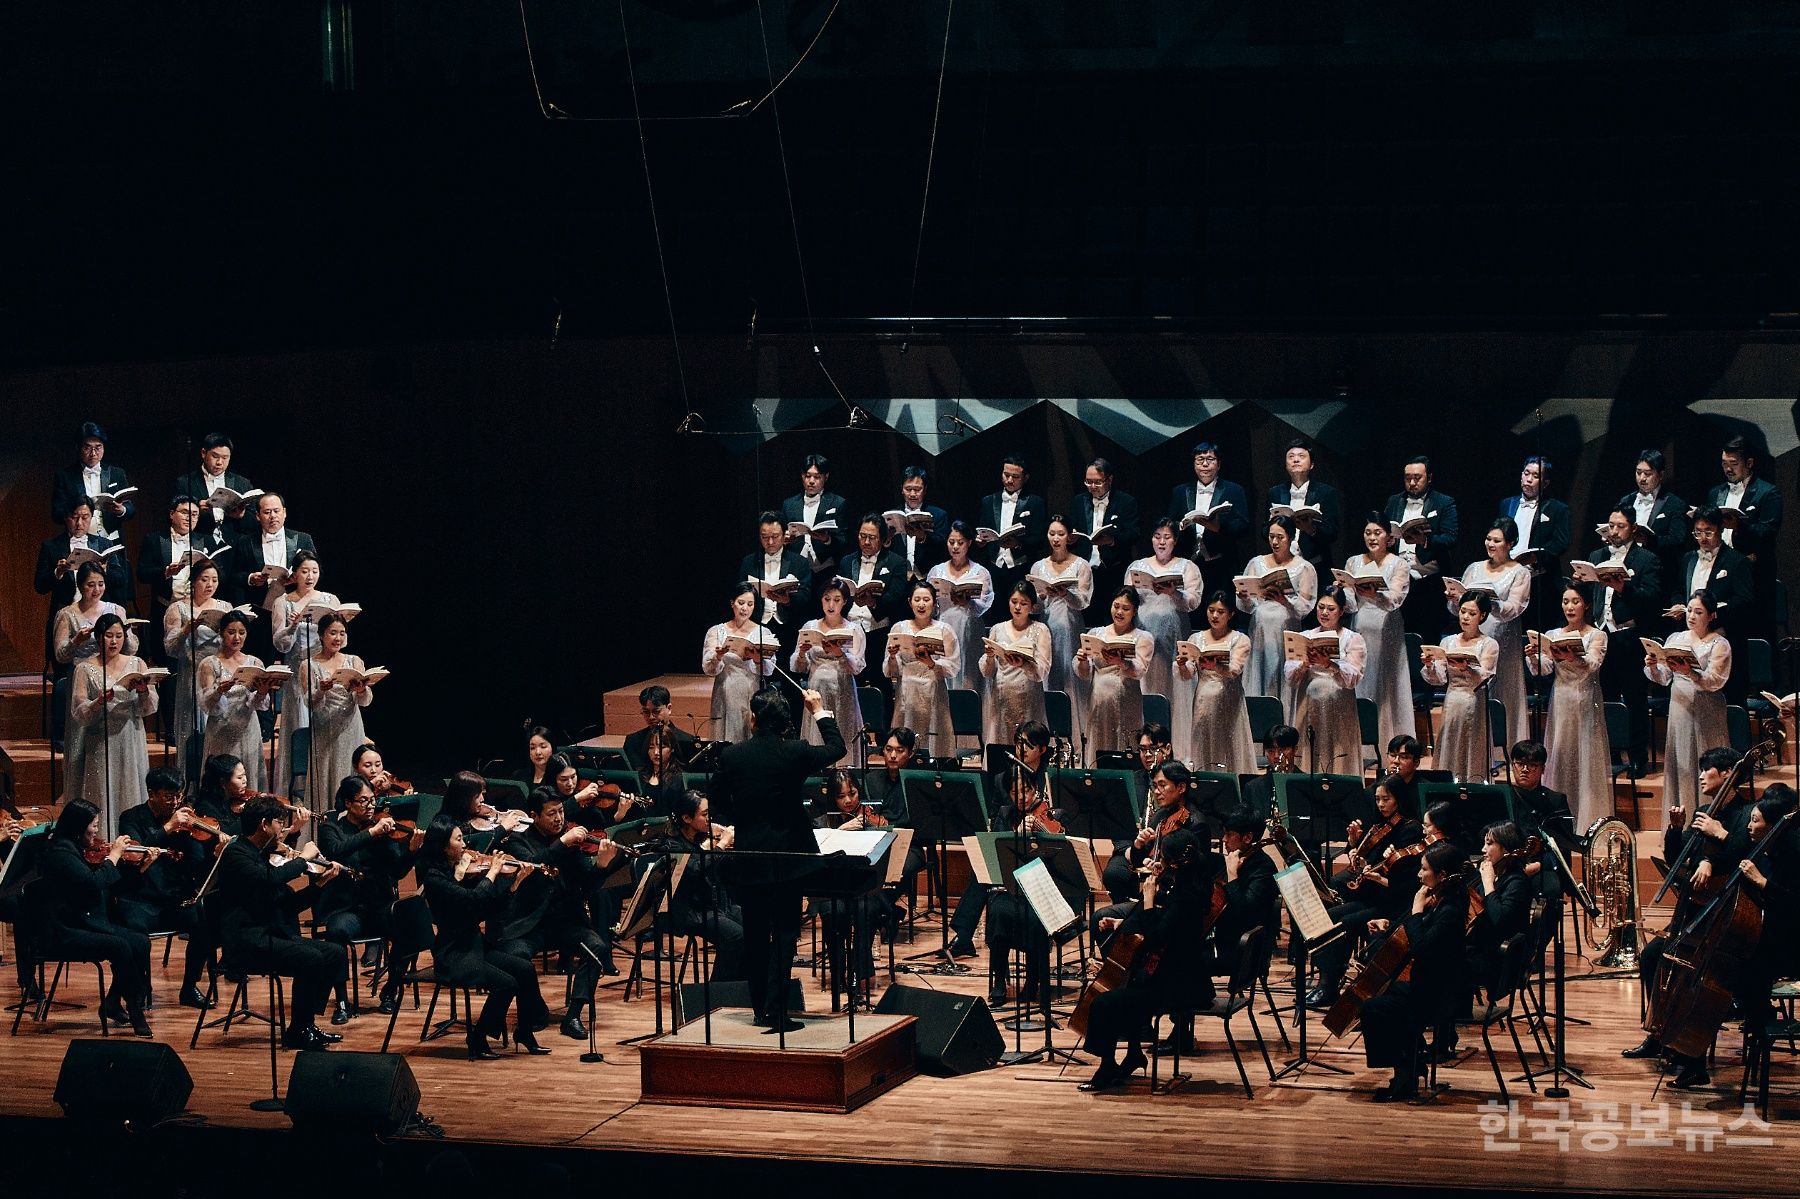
526,530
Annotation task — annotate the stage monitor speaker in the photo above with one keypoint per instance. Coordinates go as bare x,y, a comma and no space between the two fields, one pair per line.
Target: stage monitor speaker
142,1082
956,1033
691,1002
341,1091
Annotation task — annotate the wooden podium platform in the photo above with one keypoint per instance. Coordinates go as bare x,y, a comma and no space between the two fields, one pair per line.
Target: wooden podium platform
819,1071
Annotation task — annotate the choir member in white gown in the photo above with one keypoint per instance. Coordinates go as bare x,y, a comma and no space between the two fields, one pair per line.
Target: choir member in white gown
1015,680
1375,613
1324,686
1575,737
73,642
187,641
1463,745
1270,618
112,718
831,670
922,678
296,639
1696,699
1065,586
1115,694
231,708
963,613
1510,583
1219,731
337,723
736,675
1168,590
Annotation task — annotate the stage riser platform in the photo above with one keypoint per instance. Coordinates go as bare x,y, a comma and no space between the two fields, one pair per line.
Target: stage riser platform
679,1069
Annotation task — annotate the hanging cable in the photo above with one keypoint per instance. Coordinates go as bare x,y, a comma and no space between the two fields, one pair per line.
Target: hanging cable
937,110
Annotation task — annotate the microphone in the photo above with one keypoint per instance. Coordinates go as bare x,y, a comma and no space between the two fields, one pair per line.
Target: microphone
750,336
858,418
952,425
693,422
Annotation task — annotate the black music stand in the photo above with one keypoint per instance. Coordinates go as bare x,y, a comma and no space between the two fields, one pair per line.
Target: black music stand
944,806
1320,807
1011,851
1099,801
1476,805
638,917
1214,795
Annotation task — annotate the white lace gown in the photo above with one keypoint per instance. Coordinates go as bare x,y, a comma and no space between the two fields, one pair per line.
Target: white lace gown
1014,693
1462,744
1387,678
1696,713
296,643
70,652
1575,734
1325,707
1115,694
1219,726
232,726
835,681
1269,619
1512,592
965,619
116,759
735,680
922,687
1168,621
337,729
1063,617
185,653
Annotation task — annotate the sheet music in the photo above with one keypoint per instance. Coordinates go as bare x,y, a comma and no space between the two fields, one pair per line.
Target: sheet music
865,843
896,863
1039,890
1303,903
1090,866
979,865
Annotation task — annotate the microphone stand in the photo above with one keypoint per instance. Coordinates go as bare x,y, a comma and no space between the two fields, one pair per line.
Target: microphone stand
1559,1067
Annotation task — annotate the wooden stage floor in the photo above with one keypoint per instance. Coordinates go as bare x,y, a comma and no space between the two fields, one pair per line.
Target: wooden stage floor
1320,1128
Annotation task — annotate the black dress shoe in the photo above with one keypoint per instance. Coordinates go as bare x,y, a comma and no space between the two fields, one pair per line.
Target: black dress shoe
1396,1092
1104,1079
997,997
960,948
523,1039
1691,1077
787,1025
1648,1047
480,1050
341,1013
573,1028
1320,1000
330,1038
139,1025
114,1013
1133,1062
193,997
307,1038
389,1005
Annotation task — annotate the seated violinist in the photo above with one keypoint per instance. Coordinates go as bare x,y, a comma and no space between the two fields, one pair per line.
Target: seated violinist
382,852
1023,807
1394,1021
366,761
67,907
1170,969
258,910
549,909
1374,881
701,906
155,898
659,780
224,792
847,811
465,802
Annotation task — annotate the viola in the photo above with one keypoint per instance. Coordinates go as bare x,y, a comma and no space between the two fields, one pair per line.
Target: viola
1533,847
391,788
135,853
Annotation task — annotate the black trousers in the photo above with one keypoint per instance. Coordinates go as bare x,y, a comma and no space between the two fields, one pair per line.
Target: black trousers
772,915
582,943
1333,959
317,967
1622,680
724,931
126,951
1014,927
1121,881
867,912
505,977
1122,1014
1391,1025
142,917
355,924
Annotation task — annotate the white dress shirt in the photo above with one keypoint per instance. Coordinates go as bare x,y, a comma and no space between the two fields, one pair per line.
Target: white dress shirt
772,574
1734,498
809,513
1100,505
274,548
1615,556
1526,519
1009,503
1644,507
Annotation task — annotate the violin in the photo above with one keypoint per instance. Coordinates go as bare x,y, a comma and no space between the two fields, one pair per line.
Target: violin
390,788
202,829
1533,847
869,817
281,855
135,853
480,863
594,842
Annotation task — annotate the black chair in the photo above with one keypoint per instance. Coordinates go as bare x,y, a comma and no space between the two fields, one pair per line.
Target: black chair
1265,713
1737,727
411,936
874,707
965,714
1254,950
1502,1008
1368,720
238,1009
1157,710
1059,715
1424,697
1618,741
299,753
32,920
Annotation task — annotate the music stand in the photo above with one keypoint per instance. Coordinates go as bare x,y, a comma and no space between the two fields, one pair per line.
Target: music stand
639,916
944,806
1102,802
1056,858
1475,805
1320,807
1214,795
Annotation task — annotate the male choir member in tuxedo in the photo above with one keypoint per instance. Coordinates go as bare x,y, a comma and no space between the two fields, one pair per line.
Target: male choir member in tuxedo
1660,516
1214,542
55,575
1007,560
759,789
357,836
812,505
273,545
1731,577
923,552
1626,611
1317,534
155,899
215,472
653,705
774,562
552,913
1427,552
259,923
1543,537
870,563
1109,518
92,479
1754,534
163,562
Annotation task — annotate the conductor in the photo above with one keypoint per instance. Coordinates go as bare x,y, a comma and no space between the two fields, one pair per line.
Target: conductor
759,789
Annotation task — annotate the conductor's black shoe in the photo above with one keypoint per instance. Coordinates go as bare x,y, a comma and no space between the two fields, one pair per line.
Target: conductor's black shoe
194,998
1648,1047
341,1013
960,948
787,1025
573,1028
1690,1078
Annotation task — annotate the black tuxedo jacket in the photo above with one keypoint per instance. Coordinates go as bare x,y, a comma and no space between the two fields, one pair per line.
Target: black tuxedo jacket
68,489
1440,512
1551,537
931,550
1762,508
191,484
791,564
1121,511
71,894
890,568
831,507
760,787
1642,598
1234,522
1668,522
62,591
155,553
246,559
1732,583
1316,548
1032,511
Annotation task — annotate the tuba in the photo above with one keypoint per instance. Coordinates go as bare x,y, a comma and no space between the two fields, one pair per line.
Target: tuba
1609,871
